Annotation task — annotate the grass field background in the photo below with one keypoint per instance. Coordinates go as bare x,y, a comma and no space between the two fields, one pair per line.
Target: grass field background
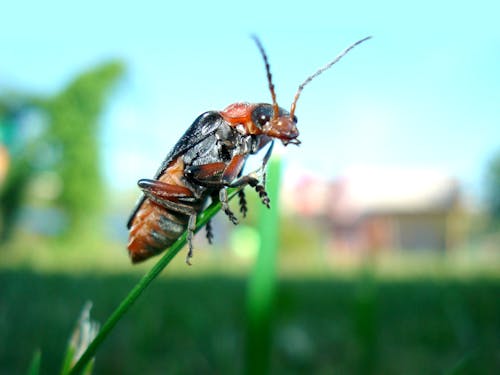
432,317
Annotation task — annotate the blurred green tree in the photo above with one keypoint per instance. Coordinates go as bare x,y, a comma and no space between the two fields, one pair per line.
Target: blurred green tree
11,196
15,166
73,128
71,134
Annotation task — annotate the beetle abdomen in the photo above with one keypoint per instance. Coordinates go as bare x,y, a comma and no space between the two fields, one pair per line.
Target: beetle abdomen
153,229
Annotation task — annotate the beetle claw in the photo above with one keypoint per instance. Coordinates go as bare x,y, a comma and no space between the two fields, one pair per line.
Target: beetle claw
225,206
243,203
263,195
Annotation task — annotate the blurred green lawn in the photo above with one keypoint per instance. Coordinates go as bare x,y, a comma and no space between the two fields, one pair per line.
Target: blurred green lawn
402,314
195,325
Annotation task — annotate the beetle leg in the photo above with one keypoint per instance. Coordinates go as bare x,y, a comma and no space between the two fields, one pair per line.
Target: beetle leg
206,174
233,169
243,202
253,181
261,190
267,155
162,191
254,177
210,234
216,174
225,206
190,233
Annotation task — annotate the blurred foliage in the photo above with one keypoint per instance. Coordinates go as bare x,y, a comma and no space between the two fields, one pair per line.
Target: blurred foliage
12,195
300,235
320,326
73,131
261,292
493,191
35,363
67,144
13,188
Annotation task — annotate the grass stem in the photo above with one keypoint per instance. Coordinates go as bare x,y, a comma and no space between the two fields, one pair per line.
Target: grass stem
137,290
262,282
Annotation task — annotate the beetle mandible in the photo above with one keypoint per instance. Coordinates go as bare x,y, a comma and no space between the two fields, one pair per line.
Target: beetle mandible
208,159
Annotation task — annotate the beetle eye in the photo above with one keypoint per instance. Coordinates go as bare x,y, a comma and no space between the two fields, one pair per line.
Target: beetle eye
295,119
262,115
263,120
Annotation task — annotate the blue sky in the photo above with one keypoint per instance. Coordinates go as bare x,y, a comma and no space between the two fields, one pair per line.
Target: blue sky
424,92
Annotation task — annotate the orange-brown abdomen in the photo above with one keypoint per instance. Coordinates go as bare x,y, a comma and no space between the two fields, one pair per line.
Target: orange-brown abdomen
154,228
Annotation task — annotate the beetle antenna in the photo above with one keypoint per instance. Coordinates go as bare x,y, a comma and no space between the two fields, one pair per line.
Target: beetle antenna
321,70
269,76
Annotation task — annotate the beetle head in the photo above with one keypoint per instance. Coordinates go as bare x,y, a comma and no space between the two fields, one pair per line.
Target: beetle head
282,126
274,120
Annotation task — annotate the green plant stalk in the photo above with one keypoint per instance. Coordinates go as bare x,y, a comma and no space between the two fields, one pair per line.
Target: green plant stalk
141,285
262,283
68,358
35,363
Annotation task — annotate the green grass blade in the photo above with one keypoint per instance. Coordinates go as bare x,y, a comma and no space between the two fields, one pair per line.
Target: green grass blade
84,332
141,285
68,357
35,363
262,283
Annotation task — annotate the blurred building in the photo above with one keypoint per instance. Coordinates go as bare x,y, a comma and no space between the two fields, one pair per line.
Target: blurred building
372,209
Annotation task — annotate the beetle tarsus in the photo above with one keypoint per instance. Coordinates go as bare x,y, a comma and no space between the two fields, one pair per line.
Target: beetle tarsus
263,195
210,234
243,203
225,206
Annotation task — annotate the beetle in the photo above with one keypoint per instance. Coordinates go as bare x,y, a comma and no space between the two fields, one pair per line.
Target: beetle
206,161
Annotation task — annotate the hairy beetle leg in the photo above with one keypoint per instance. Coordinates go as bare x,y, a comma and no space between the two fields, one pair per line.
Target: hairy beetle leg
253,181
263,195
216,174
225,206
190,233
163,191
243,203
210,234
259,188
